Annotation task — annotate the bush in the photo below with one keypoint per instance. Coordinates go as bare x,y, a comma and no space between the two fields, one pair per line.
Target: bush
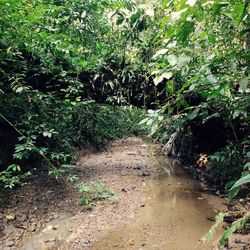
227,165
50,130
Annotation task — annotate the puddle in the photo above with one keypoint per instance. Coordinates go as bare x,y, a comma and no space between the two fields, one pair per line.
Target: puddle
175,215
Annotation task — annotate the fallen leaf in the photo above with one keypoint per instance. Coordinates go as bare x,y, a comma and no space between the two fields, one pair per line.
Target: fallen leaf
10,216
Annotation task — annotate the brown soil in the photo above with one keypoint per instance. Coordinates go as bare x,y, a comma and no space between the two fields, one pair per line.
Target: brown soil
45,214
124,166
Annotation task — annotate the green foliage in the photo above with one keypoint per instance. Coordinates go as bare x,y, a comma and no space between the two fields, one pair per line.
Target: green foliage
236,225
47,50
227,165
2,202
245,179
187,59
93,192
198,56
219,218
201,55
11,176
233,228
234,189
54,135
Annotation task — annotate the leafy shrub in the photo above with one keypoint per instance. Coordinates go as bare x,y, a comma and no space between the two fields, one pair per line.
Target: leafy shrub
53,55
94,191
53,134
227,165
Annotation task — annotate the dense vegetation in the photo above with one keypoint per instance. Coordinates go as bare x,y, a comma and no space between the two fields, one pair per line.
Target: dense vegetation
71,71
57,59
202,55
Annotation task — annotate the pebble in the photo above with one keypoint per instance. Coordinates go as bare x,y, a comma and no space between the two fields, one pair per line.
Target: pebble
7,248
240,242
48,238
9,243
51,227
86,244
32,227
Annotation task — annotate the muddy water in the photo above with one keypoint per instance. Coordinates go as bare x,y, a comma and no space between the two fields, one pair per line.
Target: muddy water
174,216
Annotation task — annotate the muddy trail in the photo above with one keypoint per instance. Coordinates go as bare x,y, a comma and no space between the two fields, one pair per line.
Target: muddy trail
155,206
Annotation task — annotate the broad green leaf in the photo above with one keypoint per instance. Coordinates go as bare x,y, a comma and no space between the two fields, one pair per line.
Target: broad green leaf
191,2
193,114
247,166
19,89
235,225
183,59
165,3
143,121
160,52
233,192
241,181
172,59
170,87
160,78
218,221
167,75
176,15
244,83
149,122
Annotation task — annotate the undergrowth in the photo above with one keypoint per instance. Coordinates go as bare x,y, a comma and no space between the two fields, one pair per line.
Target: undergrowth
95,191
51,138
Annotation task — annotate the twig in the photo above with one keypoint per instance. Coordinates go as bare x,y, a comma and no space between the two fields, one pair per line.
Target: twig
12,125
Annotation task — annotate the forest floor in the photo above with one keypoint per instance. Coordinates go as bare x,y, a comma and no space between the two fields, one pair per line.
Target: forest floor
151,206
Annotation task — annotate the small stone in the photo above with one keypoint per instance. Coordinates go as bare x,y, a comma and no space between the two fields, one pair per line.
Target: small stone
48,238
86,244
7,248
240,242
52,227
32,227
21,225
145,173
56,215
131,242
38,226
9,243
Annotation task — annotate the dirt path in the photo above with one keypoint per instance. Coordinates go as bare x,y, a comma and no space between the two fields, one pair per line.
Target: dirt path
43,212
156,206
127,169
